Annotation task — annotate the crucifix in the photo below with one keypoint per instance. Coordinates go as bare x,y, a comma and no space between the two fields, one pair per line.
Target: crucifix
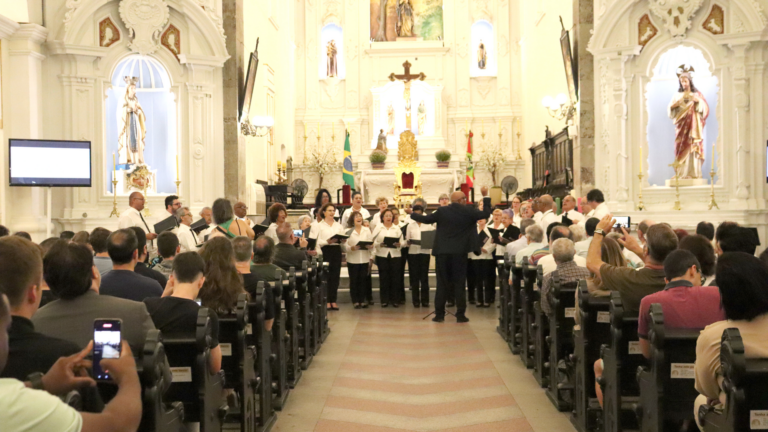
407,77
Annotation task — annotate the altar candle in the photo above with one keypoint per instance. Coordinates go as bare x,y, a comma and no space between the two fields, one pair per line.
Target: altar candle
641,158
305,129
177,167
114,163
713,157
557,201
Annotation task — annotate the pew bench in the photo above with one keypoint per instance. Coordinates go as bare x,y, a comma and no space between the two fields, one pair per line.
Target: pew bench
562,300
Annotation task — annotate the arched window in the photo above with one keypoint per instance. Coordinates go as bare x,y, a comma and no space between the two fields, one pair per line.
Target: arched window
660,90
158,132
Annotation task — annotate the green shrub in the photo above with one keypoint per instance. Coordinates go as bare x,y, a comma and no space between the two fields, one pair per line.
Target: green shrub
377,156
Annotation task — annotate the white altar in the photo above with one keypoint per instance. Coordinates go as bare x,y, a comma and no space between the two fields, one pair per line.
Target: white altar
434,182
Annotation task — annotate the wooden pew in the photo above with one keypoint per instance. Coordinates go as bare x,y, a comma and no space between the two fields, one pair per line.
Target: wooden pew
324,329
665,398
238,360
595,330
745,381
305,327
621,358
193,384
258,337
279,346
515,314
158,414
539,334
526,297
292,327
562,299
318,307
503,327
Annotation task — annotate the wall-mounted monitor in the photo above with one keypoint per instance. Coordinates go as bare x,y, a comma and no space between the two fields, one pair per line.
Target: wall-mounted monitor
49,163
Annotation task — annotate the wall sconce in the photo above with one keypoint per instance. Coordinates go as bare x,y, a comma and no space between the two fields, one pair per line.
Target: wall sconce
559,107
257,126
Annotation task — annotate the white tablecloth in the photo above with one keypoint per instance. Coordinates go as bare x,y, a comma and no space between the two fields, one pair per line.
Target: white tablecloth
434,182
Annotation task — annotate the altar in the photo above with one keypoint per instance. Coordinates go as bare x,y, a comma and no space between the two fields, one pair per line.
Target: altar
434,182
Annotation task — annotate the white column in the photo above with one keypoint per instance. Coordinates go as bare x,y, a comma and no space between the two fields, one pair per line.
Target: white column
7,28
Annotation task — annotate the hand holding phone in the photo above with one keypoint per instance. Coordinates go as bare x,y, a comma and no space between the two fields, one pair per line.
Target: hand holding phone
107,344
120,369
69,373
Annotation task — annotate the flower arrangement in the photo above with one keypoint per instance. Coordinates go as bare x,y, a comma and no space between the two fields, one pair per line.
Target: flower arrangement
493,159
322,161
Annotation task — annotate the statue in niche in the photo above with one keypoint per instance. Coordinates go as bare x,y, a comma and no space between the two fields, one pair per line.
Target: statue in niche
132,126
422,112
390,120
482,56
404,18
331,69
689,111
382,143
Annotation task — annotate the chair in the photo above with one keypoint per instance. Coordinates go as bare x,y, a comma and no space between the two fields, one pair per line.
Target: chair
346,195
407,173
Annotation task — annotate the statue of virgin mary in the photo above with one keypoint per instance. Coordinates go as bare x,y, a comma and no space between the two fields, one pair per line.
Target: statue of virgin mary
689,111
131,123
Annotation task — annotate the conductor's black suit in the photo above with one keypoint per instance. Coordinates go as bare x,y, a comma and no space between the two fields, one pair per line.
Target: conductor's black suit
456,236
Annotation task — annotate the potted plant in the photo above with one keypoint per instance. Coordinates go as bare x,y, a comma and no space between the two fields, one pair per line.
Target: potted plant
443,158
377,159
493,159
322,161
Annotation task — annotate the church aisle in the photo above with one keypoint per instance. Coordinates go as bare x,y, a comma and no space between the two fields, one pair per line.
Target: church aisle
386,370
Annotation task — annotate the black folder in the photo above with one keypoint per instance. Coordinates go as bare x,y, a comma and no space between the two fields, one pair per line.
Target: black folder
199,226
166,224
414,242
495,235
482,237
512,233
390,241
339,237
428,239
364,243
259,229
565,220
311,244
369,218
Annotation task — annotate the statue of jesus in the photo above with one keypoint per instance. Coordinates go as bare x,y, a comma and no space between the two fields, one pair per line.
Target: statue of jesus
689,111
132,126
405,18
390,120
422,112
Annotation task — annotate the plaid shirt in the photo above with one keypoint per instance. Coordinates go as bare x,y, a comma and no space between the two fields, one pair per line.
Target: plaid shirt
568,272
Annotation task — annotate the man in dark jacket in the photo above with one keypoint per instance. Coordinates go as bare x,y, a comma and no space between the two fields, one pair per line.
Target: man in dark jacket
286,254
455,237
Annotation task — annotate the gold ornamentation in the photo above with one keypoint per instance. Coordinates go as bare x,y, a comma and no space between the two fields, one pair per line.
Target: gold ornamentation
407,147
715,21
407,168
171,40
108,33
646,30
140,178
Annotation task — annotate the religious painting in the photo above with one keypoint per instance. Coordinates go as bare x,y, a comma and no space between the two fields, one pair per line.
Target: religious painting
570,69
646,30
171,39
715,22
409,19
108,33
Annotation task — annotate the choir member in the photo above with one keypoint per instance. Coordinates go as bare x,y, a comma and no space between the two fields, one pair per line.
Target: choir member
330,248
418,260
358,258
357,206
323,197
387,257
403,257
483,273
277,215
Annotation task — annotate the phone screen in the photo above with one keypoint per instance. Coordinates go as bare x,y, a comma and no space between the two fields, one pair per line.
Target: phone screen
107,342
298,233
622,221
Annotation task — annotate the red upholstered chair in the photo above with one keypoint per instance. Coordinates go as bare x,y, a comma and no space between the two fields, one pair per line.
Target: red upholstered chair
346,195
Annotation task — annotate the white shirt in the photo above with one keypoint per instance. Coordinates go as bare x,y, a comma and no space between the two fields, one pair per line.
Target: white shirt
547,218
272,232
582,247
598,212
363,211
516,246
25,409
362,256
528,251
548,264
322,232
413,232
487,245
500,247
379,233
376,220
537,216
132,218
574,216
516,219
187,239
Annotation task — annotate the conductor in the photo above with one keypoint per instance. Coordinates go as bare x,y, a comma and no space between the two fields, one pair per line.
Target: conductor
456,236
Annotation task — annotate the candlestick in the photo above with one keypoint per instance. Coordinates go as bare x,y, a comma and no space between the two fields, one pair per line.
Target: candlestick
641,158
713,155
712,202
177,167
114,213
640,205
114,163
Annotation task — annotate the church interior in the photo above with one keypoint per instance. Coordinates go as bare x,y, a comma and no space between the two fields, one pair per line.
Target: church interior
658,105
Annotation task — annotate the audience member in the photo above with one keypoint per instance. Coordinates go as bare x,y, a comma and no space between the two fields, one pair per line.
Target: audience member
642,230
187,237
633,260
568,270
578,233
286,254
123,281
263,253
706,229
4,231
744,295
582,247
764,257
167,247
243,247
141,267
98,241
681,234
82,238
535,237
176,312
548,262
67,235
610,253
223,283
35,405
69,271
730,237
23,234
555,230
633,284
21,275
704,252
45,246
227,225
513,249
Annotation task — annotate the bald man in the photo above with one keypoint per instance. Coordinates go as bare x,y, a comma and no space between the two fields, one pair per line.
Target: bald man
132,217
455,238
569,209
547,209
241,212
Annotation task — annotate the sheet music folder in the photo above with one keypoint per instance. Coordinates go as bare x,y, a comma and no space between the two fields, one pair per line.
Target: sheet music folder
166,224
428,239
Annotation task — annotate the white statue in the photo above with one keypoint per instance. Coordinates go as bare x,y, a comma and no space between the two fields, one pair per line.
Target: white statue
422,112
390,120
131,123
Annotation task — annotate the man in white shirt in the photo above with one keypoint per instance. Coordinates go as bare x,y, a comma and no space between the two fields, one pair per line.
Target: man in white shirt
548,216
582,247
207,214
535,236
512,249
187,238
357,206
596,201
35,405
132,217
172,204
569,210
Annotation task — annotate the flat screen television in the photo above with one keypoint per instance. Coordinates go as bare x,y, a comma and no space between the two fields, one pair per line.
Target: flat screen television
49,163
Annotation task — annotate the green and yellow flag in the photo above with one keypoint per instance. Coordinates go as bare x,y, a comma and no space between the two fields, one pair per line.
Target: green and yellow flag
349,177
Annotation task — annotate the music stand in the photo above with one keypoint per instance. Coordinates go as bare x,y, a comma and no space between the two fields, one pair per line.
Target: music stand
428,242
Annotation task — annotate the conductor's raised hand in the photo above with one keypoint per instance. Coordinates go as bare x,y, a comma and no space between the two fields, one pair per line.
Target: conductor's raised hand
484,191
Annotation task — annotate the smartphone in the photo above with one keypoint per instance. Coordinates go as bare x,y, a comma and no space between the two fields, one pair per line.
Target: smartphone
107,344
298,233
622,221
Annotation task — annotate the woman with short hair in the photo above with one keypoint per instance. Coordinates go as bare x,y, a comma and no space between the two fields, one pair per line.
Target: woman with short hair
387,258
358,258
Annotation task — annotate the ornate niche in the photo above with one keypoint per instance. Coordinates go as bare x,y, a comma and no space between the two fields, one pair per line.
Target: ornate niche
676,14
145,20
109,34
171,40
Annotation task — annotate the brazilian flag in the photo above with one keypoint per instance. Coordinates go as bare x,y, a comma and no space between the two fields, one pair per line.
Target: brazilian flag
349,177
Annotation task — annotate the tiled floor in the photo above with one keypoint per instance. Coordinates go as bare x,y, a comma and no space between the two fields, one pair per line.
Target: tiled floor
387,370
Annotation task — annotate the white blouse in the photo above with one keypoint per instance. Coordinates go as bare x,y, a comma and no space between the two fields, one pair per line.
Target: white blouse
488,246
363,255
380,233
322,232
413,232
345,216
272,232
